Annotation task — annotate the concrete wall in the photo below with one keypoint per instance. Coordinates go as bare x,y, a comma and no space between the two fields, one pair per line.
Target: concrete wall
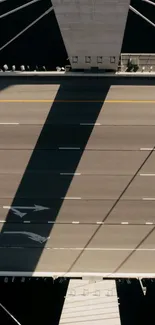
92,31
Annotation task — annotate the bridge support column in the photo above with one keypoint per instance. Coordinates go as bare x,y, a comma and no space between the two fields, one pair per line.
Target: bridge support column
92,31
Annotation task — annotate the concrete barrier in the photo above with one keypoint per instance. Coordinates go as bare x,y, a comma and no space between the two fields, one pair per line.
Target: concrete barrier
76,74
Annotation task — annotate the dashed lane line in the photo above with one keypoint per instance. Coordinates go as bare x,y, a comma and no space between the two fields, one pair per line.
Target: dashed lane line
9,123
148,199
76,222
147,175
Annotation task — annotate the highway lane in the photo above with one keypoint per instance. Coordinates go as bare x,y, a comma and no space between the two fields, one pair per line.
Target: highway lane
62,161
46,185
74,114
102,137
76,236
81,211
109,168
86,187
100,261
119,89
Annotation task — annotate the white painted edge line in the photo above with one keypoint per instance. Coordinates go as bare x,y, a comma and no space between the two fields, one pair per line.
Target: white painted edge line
69,148
146,149
148,198
9,123
77,274
69,174
87,124
147,174
98,249
71,198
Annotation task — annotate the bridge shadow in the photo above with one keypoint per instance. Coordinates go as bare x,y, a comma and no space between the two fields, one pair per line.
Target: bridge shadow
46,182
42,183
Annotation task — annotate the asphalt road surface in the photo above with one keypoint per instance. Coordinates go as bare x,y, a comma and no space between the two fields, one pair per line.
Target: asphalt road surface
77,176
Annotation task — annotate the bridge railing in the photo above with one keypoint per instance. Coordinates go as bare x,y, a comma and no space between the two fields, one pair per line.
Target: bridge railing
137,62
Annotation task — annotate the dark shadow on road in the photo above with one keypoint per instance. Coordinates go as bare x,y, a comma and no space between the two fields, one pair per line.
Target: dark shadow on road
42,183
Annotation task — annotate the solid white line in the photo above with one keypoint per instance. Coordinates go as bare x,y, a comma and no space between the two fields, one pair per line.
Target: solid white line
147,174
68,174
85,124
9,123
69,148
96,249
107,249
77,274
148,198
146,149
71,198
113,249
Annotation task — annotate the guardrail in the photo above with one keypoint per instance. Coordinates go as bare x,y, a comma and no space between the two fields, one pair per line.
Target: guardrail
137,62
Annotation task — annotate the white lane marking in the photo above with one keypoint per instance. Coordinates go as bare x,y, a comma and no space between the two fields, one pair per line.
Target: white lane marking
27,221
52,222
16,321
124,223
69,148
35,207
85,124
146,149
77,274
30,235
15,211
148,198
100,223
75,222
95,249
149,223
147,174
69,174
9,123
102,249
71,198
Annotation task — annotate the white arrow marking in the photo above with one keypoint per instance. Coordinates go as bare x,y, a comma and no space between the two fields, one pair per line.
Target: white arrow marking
30,235
35,207
18,213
